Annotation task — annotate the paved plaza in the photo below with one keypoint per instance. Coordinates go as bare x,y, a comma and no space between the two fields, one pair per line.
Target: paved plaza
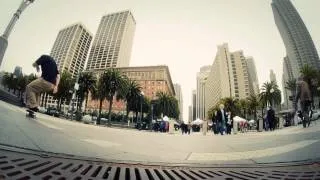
69,137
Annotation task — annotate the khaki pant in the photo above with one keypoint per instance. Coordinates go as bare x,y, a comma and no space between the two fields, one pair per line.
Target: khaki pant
34,89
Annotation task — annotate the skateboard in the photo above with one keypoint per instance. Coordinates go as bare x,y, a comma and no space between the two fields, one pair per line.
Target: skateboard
30,114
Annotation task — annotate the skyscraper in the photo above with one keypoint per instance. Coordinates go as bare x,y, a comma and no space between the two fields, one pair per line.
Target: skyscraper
70,50
253,77
194,104
178,91
229,77
273,76
201,81
297,40
113,41
17,71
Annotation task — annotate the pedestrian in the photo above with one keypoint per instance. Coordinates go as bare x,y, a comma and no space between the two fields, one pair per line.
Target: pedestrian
47,83
229,123
271,118
221,118
182,127
304,94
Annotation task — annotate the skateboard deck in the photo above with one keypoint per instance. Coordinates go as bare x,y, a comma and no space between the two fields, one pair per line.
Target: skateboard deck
30,114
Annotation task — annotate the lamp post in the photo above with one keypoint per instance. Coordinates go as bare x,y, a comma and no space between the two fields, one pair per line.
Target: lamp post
5,36
141,101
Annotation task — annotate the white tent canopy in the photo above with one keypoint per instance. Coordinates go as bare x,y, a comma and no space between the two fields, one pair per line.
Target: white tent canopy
251,121
197,121
165,118
238,119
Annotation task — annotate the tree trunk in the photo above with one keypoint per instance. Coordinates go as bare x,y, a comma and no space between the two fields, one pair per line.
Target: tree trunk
110,108
85,106
100,108
46,99
136,116
127,109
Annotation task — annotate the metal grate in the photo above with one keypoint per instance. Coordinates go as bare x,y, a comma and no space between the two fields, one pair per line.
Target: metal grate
23,166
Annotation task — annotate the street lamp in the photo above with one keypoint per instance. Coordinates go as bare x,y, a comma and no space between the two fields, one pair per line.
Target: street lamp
5,36
141,101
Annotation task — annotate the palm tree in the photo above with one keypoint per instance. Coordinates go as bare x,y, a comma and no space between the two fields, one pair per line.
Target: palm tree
130,94
310,74
65,86
98,93
291,86
244,106
114,81
163,102
253,103
270,94
167,105
86,84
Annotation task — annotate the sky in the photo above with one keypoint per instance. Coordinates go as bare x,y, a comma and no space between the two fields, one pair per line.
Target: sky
182,34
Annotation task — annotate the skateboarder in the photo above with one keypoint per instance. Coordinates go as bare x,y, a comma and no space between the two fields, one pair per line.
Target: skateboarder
48,82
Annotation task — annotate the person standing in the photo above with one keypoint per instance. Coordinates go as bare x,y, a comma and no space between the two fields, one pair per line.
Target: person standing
221,118
271,118
47,83
229,123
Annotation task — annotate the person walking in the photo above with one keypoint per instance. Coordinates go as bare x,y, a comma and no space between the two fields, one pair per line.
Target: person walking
221,118
304,95
47,83
271,118
229,123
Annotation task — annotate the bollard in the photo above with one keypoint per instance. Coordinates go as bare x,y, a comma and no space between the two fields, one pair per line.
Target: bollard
171,126
260,125
204,128
235,127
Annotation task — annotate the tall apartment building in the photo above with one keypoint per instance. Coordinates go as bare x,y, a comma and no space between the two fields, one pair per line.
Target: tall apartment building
253,77
113,41
229,77
273,76
296,38
201,81
70,50
194,104
179,97
17,71
286,76
151,79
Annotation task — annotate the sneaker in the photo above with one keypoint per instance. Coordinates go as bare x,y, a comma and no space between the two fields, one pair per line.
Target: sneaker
35,109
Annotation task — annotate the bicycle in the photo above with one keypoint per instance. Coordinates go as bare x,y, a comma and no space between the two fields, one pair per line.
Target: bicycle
305,117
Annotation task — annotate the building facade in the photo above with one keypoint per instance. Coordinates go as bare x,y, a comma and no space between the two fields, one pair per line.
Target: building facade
113,41
18,71
299,46
229,77
152,79
201,81
179,97
70,51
